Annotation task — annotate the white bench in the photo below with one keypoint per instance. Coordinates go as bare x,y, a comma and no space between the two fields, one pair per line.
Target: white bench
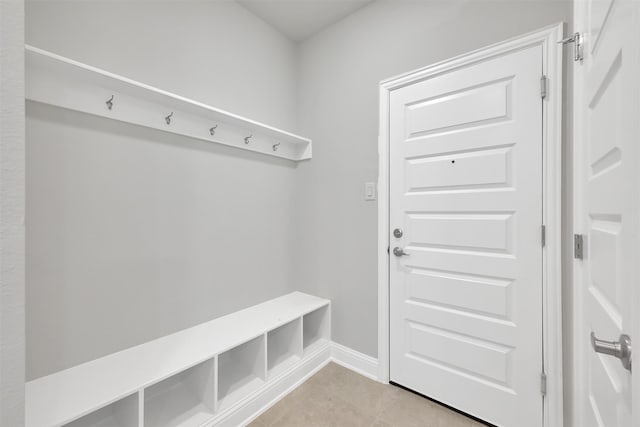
194,377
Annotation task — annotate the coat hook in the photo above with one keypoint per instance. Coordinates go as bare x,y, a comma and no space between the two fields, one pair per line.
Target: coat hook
110,103
275,146
212,130
247,138
168,118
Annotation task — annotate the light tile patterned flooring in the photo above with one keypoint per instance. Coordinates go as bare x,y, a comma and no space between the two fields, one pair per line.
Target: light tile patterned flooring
338,397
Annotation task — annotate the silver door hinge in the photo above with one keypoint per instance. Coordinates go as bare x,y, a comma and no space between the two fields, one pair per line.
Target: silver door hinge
543,87
543,384
543,235
578,246
577,40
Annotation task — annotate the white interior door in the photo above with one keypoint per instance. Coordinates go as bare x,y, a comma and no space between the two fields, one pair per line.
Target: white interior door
466,196
606,210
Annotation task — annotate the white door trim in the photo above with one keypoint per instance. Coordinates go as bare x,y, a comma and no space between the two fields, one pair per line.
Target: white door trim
552,201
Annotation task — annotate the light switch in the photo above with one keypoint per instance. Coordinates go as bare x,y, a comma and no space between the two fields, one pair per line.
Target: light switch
369,190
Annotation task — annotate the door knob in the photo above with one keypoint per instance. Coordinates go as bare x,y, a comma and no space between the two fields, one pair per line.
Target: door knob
399,252
620,349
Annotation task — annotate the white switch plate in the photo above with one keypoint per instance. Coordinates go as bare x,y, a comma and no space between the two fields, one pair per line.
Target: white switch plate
369,190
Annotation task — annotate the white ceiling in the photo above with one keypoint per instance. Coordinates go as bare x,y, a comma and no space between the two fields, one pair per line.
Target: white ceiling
300,19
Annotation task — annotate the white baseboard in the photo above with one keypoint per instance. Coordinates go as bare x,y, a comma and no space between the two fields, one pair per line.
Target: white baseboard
251,407
354,360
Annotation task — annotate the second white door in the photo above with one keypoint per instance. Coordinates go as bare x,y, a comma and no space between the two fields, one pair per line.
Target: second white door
607,212
465,224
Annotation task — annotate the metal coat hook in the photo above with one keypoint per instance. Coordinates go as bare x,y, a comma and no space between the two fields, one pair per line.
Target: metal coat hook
247,138
110,103
168,118
212,130
275,146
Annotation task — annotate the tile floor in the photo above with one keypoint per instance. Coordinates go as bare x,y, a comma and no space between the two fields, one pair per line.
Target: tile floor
336,396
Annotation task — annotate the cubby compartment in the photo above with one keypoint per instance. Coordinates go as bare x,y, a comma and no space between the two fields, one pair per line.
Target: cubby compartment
122,413
241,370
316,328
185,399
284,347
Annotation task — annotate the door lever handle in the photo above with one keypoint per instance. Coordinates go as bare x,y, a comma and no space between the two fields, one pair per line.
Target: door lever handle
620,349
399,252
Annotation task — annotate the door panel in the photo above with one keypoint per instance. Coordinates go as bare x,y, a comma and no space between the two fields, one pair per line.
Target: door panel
484,167
449,349
466,189
487,296
457,110
491,232
606,187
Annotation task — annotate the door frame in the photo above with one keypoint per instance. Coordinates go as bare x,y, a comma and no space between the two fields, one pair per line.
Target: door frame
552,201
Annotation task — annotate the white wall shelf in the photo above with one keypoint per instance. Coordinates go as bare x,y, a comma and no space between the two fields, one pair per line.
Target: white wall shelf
122,413
185,399
62,82
193,377
284,347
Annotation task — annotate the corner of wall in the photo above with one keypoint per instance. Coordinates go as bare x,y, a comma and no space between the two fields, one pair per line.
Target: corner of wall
12,168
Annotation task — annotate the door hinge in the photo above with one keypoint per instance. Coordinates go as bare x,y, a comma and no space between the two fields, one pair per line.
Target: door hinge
543,384
543,235
543,87
577,40
578,246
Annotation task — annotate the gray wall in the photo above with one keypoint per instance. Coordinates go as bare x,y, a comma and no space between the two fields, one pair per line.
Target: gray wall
133,234
12,171
339,72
